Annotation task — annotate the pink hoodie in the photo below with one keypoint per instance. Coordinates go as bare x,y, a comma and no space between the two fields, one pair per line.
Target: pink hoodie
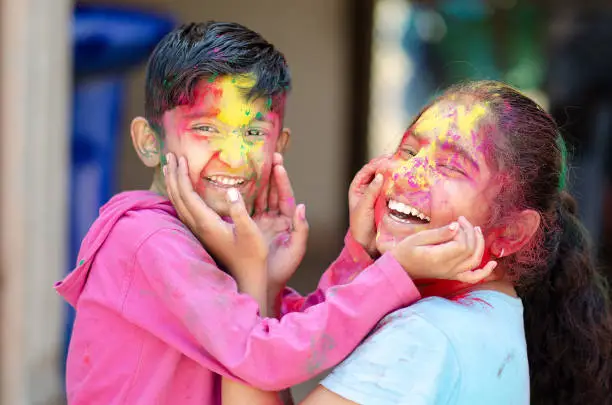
157,320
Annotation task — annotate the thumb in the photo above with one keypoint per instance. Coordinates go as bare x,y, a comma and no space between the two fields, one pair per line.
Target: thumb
433,236
368,200
242,221
299,236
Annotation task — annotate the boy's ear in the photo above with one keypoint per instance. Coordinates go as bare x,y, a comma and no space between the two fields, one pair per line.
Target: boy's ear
283,140
145,142
514,236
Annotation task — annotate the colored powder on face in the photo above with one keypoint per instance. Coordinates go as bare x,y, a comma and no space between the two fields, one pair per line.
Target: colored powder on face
467,120
442,125
235,109
234,148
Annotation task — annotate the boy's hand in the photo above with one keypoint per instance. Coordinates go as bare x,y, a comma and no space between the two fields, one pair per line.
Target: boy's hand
240,246
285,228
363,192
452,252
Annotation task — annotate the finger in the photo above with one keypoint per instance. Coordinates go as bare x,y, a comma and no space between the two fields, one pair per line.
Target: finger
277,159
434,236
362,179
273,194
299,236
261,201
479,249
470,235
286,199
173,190
243,223
371,193
205,220
475,276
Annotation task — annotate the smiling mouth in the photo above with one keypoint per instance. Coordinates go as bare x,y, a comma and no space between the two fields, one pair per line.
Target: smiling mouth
226,181
405,213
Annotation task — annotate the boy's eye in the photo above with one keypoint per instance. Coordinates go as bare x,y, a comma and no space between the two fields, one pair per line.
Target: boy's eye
206,128
255,132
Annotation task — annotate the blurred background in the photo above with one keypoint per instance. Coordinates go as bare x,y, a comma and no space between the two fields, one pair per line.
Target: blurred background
72,78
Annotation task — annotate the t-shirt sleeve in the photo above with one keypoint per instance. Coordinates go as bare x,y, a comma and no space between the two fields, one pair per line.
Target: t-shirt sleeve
406,361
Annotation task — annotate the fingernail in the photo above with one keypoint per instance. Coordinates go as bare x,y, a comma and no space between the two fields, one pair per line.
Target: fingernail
453,226
165,170
477,229
378,178
233,195
168,157
302,213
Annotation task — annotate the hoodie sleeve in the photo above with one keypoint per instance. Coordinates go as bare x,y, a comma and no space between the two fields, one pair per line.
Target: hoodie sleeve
352,260
183,298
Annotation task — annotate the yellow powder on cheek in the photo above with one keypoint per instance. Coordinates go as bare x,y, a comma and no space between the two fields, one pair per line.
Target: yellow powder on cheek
235,110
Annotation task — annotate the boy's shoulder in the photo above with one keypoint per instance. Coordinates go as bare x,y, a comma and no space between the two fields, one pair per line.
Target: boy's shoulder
129,219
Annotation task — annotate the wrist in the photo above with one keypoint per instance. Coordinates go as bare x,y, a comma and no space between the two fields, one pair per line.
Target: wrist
414,275
274,299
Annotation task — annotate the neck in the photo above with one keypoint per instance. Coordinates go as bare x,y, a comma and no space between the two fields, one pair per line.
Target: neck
449,288
158,185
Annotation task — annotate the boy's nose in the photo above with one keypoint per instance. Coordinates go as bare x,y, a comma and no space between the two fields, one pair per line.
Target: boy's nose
233,152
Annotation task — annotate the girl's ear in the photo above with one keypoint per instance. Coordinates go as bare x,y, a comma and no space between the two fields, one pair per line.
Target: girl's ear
515,235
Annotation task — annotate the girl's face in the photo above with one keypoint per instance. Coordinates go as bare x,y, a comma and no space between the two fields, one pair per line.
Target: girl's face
438,173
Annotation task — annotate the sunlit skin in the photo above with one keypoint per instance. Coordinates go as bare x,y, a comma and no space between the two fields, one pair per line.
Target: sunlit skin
440,169
228,140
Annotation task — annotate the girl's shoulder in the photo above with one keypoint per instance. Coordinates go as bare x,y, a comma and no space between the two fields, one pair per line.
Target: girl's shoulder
441,351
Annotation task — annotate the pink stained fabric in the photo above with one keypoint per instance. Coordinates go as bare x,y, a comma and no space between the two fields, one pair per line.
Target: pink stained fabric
158,321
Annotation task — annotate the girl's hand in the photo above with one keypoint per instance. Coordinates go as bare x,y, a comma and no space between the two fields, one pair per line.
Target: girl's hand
452,252
240,246
363,192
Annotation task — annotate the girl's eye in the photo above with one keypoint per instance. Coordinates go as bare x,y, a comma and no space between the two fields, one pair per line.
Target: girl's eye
453,169
406,153
255,132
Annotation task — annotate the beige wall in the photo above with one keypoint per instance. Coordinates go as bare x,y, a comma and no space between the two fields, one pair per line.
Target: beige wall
313,36
34,114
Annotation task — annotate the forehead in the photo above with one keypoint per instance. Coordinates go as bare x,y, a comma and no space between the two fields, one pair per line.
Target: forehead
454,120
228,91
227,98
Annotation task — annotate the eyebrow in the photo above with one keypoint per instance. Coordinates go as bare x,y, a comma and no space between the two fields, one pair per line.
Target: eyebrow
213,113
453,147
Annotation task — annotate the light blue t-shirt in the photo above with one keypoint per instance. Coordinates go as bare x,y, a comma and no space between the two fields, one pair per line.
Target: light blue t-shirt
469,351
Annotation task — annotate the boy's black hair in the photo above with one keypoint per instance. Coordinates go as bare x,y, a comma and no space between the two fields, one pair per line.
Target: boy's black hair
206,50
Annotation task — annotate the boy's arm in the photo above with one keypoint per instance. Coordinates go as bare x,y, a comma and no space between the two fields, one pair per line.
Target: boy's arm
352,260
181,296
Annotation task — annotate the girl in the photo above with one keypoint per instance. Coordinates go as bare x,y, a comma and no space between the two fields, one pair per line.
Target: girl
539,329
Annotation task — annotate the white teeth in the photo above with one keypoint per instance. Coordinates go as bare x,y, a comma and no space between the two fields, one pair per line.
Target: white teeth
407,210
227,181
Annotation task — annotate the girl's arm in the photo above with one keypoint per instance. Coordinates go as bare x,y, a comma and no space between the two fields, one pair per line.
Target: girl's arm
323,396
237,393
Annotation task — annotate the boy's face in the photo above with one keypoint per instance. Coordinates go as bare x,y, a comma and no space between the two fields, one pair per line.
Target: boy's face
228,140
